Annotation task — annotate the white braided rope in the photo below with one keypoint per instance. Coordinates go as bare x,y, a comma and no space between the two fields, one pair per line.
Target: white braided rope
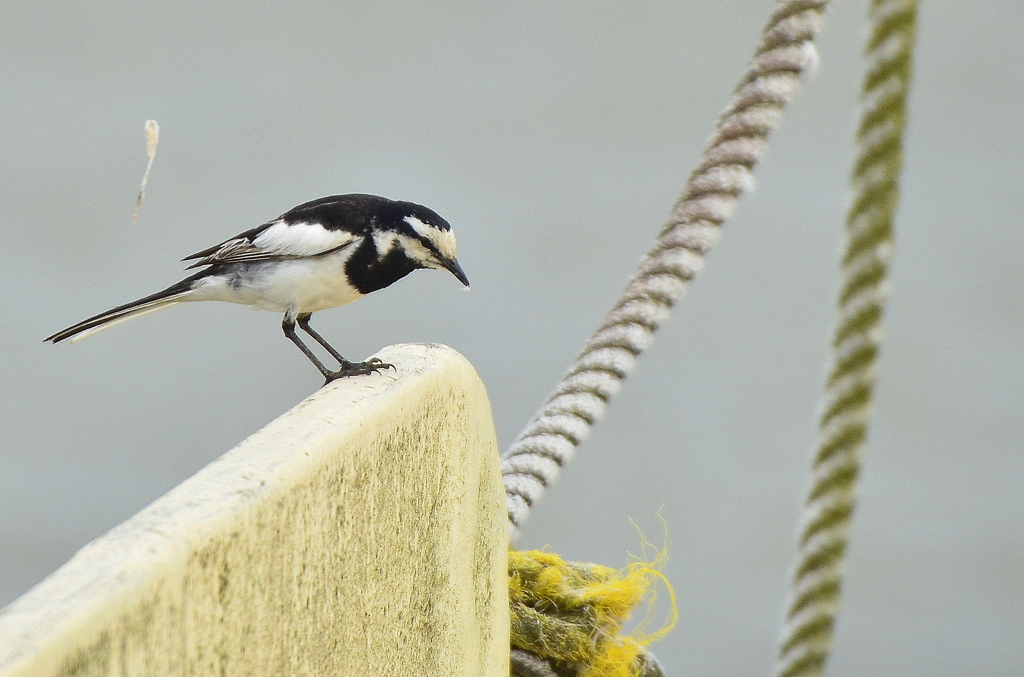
786,50
817,576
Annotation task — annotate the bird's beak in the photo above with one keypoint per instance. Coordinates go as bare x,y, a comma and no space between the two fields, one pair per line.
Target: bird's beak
455,269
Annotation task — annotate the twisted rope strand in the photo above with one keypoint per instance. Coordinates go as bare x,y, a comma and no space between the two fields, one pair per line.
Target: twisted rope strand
817,577
786,50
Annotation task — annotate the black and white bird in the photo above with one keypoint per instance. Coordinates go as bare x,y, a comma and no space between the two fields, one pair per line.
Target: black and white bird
321,254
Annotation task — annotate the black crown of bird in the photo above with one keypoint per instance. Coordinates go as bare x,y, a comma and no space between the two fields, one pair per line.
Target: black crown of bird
321,254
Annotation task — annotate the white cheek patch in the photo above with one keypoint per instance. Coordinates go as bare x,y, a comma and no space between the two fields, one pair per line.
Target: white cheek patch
416,251
421,228
444,240
300,239
384,241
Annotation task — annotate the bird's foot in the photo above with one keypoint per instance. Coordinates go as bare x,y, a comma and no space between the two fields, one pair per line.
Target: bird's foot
372,365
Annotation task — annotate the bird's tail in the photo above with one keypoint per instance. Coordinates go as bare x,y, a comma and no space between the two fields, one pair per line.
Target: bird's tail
171,296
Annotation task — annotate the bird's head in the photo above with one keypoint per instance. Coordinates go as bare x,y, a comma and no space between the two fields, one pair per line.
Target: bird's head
425,238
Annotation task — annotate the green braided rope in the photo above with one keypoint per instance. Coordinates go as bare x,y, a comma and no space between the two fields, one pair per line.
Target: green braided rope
817,577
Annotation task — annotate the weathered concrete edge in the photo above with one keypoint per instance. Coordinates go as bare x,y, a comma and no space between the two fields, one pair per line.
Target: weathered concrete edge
106,575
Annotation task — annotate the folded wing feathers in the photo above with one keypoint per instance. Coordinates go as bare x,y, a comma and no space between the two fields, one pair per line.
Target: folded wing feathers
279,240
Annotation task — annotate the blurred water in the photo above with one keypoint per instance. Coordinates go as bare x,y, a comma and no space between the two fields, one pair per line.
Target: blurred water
554,136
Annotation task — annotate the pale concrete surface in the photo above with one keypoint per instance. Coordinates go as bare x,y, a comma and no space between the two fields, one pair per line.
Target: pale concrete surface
361,533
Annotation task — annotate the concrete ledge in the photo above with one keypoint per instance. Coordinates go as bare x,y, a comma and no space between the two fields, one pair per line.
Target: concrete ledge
361,533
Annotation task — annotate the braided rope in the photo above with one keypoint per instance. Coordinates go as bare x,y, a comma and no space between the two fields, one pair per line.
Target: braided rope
786,50
817,576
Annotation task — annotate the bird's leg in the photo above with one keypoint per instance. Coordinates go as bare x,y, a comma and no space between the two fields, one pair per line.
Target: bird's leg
303,321
288,325
347,368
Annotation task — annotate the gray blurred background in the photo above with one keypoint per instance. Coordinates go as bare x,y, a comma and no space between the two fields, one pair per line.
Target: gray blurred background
555,137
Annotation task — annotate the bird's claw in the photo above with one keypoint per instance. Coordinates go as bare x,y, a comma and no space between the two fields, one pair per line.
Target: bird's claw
376,364
372,365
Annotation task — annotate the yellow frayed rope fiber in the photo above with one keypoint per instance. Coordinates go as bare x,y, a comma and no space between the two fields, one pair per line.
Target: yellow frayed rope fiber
570,614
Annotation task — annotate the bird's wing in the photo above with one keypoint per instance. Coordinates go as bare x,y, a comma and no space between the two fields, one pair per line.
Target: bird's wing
275,241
